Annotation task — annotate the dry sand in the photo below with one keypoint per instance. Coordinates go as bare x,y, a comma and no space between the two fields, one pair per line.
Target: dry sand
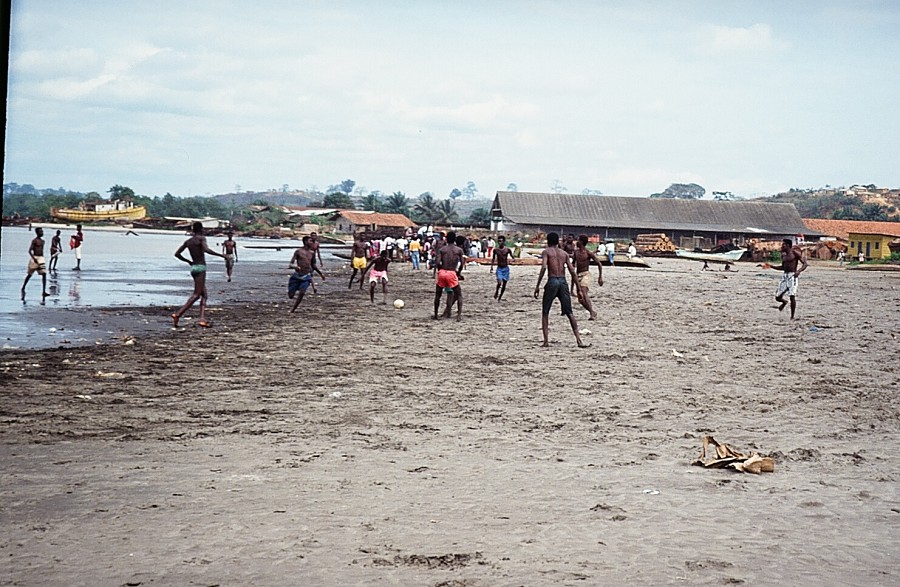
358,444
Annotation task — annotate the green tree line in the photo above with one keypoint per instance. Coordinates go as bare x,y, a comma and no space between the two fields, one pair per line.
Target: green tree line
38,206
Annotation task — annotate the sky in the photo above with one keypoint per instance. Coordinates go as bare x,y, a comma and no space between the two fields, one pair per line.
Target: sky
202,97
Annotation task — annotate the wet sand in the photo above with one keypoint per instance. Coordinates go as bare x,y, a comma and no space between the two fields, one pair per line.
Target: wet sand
359,444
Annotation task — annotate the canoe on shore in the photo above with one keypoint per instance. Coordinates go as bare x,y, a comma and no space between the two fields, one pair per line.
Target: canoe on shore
528,260
726,257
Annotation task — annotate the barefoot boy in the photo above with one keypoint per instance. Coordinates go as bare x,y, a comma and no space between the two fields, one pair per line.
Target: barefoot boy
501,255
197,247
230,248
302,264
358,260
791,256
555,262
583,257
36,262
448,263
379,268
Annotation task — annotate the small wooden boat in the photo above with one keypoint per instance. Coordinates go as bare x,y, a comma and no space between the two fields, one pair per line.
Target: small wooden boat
726,257
100,211
527,260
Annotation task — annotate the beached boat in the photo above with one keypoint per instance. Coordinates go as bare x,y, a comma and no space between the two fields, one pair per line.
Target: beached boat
724,257
100,211
525,260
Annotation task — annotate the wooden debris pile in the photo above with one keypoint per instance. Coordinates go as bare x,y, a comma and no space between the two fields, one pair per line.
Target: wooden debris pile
654,244
725,457
761,250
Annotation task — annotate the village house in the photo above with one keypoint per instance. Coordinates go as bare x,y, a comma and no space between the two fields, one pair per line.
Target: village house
687,223
353,221
873,239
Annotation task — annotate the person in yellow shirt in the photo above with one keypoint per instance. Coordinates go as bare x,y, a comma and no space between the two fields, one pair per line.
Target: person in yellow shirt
414,249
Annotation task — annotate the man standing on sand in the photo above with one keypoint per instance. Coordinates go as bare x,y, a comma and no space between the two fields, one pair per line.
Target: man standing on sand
55,250
791,256
230,248
583,257
501,254
415,251
555,262
36,262
198,248
611,252
75,243
358,260
379,267
448,263
302,264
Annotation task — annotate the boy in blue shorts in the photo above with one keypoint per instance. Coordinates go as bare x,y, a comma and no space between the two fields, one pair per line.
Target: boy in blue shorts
502,255
301,279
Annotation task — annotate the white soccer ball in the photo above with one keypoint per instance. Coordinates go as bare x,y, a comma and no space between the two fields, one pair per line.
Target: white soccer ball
398,304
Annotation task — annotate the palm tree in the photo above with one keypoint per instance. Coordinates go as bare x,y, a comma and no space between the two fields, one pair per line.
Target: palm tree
447,213
372,202
397,203
426,208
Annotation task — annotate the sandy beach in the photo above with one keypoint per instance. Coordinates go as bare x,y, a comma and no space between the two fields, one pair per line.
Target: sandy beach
357,444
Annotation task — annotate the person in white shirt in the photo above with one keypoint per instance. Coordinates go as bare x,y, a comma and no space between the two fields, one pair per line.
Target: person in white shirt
601,251
632,251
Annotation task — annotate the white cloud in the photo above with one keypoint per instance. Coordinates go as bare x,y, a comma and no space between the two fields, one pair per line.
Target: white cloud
488,113
755,38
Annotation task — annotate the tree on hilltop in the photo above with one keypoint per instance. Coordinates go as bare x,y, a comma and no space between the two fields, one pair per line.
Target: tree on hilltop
338,200
683,191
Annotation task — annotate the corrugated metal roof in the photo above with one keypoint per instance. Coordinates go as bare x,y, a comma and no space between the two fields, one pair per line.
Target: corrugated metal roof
651,213
842,228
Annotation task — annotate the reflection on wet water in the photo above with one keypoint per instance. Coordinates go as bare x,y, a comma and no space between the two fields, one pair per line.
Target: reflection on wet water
75,287
117,270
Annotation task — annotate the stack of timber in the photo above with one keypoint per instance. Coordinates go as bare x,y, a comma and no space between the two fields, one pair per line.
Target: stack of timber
761,250
658,245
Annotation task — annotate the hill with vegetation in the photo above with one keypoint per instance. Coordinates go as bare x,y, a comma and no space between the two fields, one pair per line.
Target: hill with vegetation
858,202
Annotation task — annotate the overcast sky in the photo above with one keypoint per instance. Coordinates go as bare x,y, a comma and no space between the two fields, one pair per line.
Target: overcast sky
197,97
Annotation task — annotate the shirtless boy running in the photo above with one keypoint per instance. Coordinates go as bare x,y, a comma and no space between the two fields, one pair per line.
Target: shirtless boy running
583,257
197,247
555,262
791,256
501,254
301,279
36,262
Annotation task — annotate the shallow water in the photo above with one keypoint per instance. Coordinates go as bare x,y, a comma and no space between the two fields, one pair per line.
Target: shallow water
117,269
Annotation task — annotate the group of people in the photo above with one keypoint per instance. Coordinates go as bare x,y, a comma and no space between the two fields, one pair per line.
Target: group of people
37,262
448,254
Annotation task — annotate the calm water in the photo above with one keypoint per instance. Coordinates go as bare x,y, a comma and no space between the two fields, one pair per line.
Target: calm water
117,270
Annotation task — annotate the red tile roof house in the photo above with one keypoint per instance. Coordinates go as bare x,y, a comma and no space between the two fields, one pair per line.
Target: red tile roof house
352,221
873,239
